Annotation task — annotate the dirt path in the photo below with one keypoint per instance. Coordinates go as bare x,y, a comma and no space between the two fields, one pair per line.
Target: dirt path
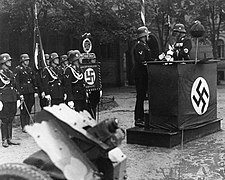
200,159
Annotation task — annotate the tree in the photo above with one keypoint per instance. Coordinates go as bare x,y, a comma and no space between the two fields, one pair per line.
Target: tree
212,15
166,14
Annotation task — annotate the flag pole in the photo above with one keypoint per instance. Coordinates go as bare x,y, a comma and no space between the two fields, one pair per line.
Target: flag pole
39,56
143,11
38,42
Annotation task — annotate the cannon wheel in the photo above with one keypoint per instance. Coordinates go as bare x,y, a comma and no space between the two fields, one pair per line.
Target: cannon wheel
19,171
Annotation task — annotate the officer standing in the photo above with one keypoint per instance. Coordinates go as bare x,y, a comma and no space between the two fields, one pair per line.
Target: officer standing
53,81
142,53
25,78
74,83
183,45
8,99
39,81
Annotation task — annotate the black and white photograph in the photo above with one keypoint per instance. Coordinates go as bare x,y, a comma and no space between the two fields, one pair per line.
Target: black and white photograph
112,89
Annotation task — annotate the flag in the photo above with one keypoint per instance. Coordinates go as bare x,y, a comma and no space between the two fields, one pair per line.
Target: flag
39,55
143,11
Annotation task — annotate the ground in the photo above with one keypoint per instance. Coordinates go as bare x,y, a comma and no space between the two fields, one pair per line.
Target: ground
201,159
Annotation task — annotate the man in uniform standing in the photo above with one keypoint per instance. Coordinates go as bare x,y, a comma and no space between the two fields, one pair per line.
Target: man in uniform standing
39,81
74,83
183,45
9,99
53,81
142,54
25,79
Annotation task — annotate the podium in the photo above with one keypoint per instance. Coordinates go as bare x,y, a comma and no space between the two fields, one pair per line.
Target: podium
182,104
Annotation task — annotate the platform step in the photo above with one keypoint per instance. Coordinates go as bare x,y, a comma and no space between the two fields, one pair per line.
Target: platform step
162,138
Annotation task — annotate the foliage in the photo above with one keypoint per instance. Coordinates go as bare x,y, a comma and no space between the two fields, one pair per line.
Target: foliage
109,20
212,15
106,20
166,14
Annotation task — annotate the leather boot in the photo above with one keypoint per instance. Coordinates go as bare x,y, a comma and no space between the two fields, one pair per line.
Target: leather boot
4,131
10,142
5,144
139,123
9,131
23,120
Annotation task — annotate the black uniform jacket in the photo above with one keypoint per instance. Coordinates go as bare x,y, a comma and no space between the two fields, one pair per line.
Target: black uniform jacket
39,81
53,82
142,53
25,78
74,84
8,91
182,49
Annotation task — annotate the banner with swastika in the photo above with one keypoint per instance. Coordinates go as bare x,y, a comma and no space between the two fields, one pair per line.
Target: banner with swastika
92,76
182,96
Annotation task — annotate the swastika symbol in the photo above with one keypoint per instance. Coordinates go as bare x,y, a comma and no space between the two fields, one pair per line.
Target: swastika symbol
200,95
89,76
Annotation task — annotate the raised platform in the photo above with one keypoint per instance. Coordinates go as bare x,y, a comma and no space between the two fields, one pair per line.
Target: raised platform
162,138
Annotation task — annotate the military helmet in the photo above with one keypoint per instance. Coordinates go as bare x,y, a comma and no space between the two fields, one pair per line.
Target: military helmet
24,57
63,58
53,56
47,57
74,55
4,58
69,52
142,31
179,28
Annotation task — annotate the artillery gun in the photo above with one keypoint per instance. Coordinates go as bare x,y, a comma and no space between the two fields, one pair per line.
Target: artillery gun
73,147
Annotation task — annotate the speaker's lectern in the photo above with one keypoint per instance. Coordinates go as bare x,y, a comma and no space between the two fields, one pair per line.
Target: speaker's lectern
182,104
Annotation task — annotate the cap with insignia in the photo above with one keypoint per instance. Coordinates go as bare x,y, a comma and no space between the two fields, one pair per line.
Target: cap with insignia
74,55
179,28
4,58
24,57
142,31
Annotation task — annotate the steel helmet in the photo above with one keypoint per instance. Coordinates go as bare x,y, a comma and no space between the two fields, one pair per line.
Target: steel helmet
74,55
47,57
53,56
63,58
69,52
24,57
4,58
142,31
179,28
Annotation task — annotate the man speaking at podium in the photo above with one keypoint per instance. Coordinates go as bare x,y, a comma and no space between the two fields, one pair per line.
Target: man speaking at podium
183,45
142,53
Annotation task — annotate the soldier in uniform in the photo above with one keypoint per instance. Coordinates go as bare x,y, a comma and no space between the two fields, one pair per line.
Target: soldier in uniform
183,45
9,99
25,78
52,81
39,81
142,53
64,62
74,83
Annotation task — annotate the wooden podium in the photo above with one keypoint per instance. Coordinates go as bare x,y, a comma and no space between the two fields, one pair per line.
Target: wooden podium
182,104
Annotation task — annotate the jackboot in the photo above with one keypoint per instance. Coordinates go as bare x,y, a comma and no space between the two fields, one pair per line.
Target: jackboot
4,131
9,131
10,142
5,144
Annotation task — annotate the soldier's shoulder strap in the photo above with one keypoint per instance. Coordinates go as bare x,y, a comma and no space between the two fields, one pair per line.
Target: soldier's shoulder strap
19,67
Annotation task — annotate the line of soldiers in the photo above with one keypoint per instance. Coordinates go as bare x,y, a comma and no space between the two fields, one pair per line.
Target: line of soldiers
60,81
